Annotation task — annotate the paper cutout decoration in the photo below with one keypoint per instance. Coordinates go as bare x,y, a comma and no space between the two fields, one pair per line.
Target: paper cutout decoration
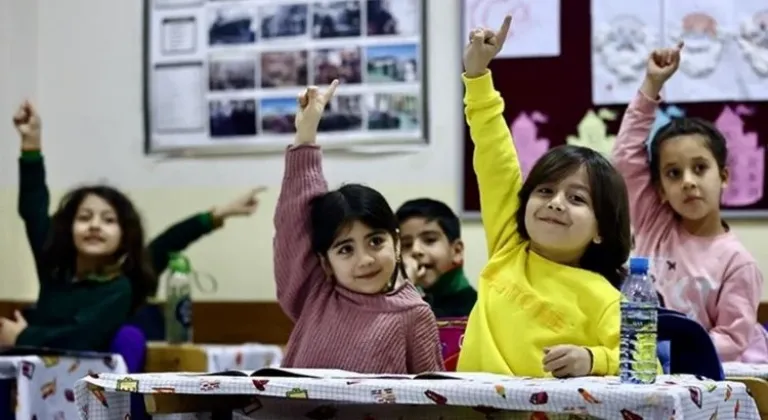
746,159
705,43
753,40
663,117
593,132
622,47
525,133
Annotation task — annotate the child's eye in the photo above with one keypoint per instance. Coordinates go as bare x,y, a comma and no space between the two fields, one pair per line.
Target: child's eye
346,249
700,168
578,199
544,190
673,173
377,241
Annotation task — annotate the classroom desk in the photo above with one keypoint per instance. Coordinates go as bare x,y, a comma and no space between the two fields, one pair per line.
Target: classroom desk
755,377
42,387
193,357
180,396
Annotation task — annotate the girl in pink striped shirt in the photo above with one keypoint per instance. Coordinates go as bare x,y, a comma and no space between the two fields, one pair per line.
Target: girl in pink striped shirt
338,269
674,196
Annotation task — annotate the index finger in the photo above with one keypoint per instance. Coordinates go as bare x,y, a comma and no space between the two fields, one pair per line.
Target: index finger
501,35
331,90
259,190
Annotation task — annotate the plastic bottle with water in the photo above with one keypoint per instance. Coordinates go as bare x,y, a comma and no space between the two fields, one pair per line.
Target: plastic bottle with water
639,325
178,304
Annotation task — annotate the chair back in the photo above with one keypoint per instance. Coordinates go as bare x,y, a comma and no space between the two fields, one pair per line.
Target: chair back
451,332
691,350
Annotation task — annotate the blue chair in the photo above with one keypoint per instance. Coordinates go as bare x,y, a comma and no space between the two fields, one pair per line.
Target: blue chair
691,350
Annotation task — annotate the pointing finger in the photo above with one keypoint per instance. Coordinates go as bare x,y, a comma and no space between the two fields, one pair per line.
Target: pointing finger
331,90
501,35
258,190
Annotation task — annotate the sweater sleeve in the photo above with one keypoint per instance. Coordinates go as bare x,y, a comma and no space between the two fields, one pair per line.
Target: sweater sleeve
178,237
424,353
605,356
90,330
34,203
494,160
298,274
630,157
736,311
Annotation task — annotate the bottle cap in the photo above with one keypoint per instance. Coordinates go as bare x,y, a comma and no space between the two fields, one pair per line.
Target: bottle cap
179,264
638,265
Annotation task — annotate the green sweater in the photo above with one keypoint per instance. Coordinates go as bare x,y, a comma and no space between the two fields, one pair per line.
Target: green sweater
451,296
84,314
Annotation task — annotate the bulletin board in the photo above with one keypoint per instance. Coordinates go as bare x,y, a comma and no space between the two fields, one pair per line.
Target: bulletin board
223,76
550,101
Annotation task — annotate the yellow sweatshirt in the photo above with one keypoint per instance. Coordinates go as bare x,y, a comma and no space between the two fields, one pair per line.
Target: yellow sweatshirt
525,302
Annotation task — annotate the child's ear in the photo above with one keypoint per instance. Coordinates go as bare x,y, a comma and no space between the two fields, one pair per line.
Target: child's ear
326,265
457,252
725,177
662,194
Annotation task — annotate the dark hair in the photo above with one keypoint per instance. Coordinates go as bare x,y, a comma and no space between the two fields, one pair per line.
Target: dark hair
682,127
59,253
432,210
336,210
609,202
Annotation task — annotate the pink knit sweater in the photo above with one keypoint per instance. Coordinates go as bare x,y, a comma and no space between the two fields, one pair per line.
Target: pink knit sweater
336,328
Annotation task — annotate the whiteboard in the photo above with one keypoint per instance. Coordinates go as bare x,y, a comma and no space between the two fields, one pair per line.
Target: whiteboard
223,75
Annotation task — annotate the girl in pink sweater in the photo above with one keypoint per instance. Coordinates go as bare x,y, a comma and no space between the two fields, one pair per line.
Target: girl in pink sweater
338,269
674,194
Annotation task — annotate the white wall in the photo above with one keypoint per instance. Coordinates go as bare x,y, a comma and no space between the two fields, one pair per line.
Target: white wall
91,101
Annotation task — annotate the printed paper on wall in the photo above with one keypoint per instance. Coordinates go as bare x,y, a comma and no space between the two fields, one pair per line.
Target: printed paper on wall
623,35
752,41
708,64
535,28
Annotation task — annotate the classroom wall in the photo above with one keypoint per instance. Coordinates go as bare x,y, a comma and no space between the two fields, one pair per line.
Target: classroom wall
80,61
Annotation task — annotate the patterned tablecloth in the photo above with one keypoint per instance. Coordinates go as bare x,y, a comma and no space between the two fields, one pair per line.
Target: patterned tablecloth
105,397
745,370
45,384
250,356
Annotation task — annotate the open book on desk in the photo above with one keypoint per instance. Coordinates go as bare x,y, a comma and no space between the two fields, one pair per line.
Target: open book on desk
343,374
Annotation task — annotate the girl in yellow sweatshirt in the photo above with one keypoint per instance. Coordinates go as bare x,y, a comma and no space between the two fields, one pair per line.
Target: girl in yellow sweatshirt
548,298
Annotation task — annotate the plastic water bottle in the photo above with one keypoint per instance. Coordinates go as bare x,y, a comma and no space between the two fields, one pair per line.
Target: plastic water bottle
639,323
178,301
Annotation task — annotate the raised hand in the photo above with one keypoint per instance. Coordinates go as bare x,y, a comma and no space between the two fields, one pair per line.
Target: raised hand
27,123
311,106
244,205
483,46
662,64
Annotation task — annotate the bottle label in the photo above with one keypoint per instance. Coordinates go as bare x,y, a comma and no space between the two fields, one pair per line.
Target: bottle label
184,312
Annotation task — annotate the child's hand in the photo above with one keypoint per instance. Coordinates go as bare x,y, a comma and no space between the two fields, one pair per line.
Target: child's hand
244,205
662,64
413,270
27,123
567,361
10,329
483,46
310,110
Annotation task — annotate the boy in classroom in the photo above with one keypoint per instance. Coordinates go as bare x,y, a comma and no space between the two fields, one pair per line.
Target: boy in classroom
430,233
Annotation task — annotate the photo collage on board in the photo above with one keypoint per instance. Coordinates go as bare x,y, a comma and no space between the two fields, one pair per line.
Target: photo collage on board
261,55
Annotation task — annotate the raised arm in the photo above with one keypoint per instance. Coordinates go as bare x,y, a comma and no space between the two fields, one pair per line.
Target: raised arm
34,199
298,274
630,153
735,315
182,234
495,160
